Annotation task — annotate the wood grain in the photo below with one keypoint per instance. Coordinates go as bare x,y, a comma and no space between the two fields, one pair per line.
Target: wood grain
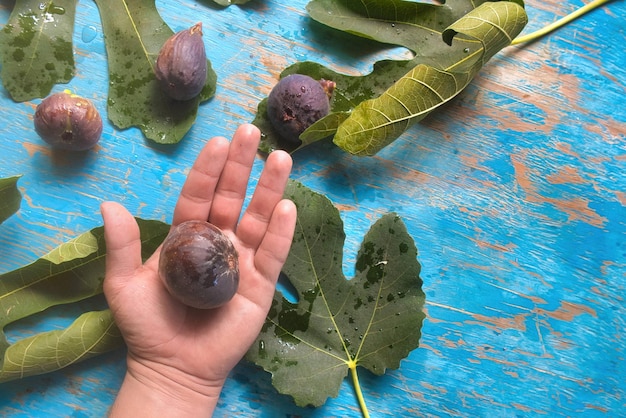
515,194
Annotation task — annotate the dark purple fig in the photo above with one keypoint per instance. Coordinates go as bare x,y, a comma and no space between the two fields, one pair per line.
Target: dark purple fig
297,102
199,265
181,67
67,121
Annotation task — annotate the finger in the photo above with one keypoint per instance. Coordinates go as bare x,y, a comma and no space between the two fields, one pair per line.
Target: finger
269,191
233,183
274,248
196,196
123,243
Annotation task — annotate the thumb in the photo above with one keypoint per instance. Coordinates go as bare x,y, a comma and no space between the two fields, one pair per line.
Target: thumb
123,244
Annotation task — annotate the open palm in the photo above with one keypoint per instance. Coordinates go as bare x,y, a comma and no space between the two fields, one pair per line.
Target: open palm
189,343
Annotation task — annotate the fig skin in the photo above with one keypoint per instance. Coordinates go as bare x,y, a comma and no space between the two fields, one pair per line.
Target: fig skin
199,265
67,121
181,66
296,102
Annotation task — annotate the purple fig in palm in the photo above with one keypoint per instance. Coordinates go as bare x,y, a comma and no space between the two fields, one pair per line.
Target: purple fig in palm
296,102
181,66
199,265
67,121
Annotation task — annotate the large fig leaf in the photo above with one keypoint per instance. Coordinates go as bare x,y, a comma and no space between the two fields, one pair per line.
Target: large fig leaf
376,123
373,320
134,34
91,334
71,272
36,50
399,93
10,197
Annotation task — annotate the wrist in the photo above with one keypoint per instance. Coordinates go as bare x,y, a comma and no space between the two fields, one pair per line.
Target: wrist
159,390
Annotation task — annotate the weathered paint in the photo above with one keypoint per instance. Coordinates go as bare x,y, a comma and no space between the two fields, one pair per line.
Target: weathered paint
515,194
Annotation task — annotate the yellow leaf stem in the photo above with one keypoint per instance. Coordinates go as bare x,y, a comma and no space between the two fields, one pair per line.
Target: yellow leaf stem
561,22
357,389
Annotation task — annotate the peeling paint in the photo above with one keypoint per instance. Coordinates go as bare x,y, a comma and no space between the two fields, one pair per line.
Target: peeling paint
577,208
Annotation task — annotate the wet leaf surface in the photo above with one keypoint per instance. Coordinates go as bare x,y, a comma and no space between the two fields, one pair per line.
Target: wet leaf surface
372,320
134,34
36,50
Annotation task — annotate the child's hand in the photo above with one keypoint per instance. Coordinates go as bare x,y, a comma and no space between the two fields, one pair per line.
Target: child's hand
179,357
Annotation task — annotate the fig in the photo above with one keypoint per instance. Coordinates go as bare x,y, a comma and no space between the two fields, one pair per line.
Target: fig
67,121
199,265
181,66
296,102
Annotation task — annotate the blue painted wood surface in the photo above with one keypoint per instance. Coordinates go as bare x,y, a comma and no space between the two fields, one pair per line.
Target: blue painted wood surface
515,194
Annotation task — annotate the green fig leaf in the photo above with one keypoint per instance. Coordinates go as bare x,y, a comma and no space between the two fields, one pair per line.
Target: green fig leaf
72,272
376,123
134,34
79,247
36,50
451,41
10,197
372,320
91,334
